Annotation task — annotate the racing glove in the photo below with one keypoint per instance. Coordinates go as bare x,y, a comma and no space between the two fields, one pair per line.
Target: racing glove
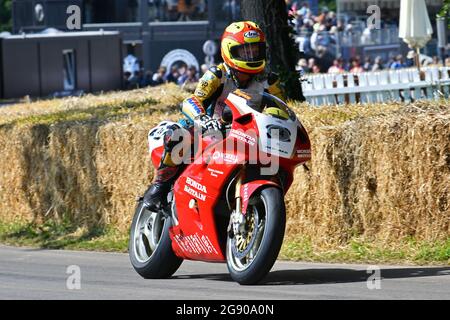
208,124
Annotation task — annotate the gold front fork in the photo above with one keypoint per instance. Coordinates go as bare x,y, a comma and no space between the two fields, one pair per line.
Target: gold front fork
237,192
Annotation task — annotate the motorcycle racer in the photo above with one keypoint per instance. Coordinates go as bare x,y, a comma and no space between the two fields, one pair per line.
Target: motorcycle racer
243,50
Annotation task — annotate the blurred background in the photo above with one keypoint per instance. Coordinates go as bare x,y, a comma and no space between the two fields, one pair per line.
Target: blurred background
125,44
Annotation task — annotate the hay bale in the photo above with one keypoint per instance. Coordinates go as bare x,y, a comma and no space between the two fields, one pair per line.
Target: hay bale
380,178
378,172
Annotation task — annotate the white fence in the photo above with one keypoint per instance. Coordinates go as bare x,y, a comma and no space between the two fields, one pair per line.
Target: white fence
390,85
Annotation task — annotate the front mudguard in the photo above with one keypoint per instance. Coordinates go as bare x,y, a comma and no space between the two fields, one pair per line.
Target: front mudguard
249,188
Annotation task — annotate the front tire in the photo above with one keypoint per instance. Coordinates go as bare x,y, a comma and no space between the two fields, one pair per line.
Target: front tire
249,263
150,247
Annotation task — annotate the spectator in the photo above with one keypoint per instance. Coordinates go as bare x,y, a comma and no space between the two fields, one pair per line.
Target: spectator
173,75
186,9
133,81
398,63
130,63
378,64
337,67
190,76
147,79
334,34
323,39
367,64
304,10
410,59
181,71
172,9
302,66
314,36
366,36
315,69
156,11
311,63
322,17
356,66
158,78
435,62
126,76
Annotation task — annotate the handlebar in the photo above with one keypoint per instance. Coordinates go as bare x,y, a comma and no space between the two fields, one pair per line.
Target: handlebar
213,132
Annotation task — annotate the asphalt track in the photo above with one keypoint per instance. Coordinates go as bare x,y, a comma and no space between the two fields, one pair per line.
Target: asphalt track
27,273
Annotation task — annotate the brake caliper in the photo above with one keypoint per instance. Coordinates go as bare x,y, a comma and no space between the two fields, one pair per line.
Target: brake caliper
237,224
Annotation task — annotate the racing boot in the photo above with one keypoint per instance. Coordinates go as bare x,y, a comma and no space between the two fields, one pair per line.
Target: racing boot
156,195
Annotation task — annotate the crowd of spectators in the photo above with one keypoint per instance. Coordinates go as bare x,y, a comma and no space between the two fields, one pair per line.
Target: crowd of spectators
135,77
319,35
356,64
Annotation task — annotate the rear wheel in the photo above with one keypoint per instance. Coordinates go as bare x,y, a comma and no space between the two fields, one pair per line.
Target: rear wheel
150,247
251,254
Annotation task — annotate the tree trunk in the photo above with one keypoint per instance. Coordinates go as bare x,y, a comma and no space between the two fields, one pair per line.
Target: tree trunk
283,54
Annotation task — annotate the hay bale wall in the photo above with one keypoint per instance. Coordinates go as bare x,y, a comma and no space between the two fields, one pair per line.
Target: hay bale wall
378,177
381,178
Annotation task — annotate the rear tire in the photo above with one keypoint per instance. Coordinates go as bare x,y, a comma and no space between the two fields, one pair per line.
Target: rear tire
271,201
150,249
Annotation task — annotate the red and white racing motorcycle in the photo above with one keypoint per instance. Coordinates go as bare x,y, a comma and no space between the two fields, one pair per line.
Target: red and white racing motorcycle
228,205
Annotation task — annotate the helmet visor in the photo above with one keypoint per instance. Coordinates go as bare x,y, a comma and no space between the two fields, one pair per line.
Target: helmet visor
249,52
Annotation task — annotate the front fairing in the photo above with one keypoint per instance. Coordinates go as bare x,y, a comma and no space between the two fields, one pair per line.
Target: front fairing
275,136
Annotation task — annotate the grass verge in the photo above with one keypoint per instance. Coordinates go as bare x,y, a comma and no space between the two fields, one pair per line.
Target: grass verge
407,251
62,235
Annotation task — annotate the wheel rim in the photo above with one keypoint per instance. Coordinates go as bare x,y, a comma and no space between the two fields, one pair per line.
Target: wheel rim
242,252
147,234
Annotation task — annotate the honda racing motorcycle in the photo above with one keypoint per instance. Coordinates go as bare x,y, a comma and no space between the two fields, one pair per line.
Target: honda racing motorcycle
228,204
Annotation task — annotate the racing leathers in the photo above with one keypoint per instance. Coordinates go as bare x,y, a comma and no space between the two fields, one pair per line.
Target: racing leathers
204,108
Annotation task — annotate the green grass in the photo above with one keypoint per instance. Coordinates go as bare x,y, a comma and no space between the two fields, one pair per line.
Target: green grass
61,235
405,251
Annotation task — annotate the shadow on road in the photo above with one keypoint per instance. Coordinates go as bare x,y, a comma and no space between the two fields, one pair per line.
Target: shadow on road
328,276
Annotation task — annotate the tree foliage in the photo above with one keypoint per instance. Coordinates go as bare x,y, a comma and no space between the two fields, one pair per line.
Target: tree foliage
5,15
445,11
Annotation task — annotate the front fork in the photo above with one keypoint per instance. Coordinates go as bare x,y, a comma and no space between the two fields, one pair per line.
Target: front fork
237,219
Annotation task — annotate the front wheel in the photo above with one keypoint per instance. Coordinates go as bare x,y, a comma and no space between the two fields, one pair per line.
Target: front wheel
150,247
252,253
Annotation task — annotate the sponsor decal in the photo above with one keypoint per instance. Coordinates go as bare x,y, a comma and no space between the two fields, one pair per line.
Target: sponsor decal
208,76
195,104
195,190
203,83
242,94
245,196
195,244
229,158
304,153
243,137
196,185
214,173
200,93
280,151
194,193
251,34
